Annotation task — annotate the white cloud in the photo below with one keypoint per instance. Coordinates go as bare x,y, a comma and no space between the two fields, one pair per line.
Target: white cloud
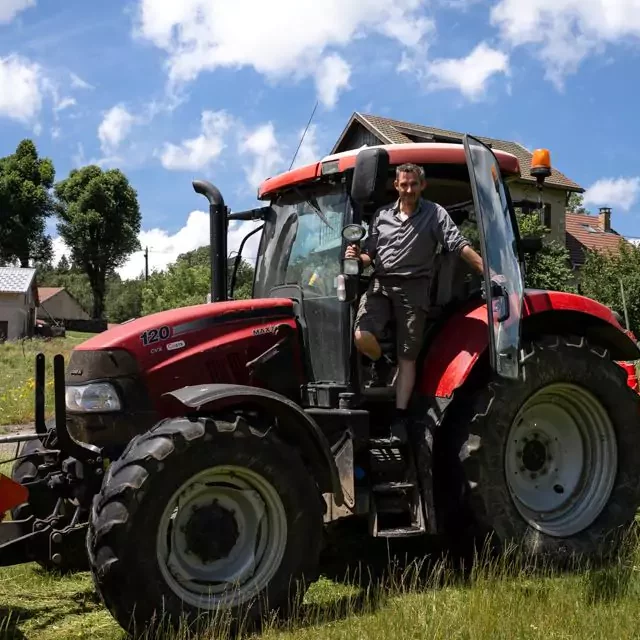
164,247
617,193
114,128
332,77
64,103
197,153
566,31
9,9
202,35
24,100
261,144
78,83
468,75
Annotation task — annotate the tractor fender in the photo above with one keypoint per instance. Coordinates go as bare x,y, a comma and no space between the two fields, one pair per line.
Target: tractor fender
464,338
293,424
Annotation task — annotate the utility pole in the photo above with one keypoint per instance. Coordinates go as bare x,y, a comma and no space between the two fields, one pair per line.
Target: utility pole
146,263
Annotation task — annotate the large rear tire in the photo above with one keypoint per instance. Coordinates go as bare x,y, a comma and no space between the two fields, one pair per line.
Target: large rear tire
152,559
552,463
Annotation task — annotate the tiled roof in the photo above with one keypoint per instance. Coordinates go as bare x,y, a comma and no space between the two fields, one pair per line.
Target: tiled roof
16,279
44,293
583,232
397,131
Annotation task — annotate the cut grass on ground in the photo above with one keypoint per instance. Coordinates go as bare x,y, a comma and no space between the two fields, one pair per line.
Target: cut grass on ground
17,374
421,599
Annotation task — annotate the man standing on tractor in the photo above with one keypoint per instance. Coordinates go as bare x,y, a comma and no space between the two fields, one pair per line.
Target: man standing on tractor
401,245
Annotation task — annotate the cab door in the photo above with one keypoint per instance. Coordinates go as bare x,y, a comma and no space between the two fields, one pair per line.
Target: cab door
503,277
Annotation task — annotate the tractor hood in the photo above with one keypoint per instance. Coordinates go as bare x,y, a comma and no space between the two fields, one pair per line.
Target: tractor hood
161,336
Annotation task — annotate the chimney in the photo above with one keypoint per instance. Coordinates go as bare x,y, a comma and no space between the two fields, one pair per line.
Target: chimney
604,219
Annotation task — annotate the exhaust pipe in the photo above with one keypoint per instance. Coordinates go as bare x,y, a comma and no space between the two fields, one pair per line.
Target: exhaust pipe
218,238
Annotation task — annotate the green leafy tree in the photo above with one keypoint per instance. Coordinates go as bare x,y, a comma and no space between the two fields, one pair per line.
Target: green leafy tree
602,275
124,299
25,205
188,281
575,204
99,222
550,267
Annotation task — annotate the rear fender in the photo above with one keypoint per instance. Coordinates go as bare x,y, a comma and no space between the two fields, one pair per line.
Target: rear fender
464,339
293,424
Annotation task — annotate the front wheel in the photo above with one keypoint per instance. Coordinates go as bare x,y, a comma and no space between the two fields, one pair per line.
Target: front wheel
204,517
552,463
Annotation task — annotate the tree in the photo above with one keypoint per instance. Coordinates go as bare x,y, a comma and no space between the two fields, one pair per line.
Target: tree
124,299
188,281
550,267
99,222
25,205
602,274
575,204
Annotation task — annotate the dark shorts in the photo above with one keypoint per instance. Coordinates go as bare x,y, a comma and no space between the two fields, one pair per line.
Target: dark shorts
407,301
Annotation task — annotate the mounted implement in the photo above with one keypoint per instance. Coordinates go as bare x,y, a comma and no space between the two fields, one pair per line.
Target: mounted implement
231,432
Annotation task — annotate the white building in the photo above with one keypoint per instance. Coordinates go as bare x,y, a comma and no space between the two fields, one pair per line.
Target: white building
18,302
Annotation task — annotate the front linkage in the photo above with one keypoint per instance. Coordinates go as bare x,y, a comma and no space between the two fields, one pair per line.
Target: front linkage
50,505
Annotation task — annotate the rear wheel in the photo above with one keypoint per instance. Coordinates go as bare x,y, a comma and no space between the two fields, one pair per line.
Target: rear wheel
552,463
204,517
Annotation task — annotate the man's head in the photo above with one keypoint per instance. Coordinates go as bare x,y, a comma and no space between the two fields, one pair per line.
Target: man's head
410,182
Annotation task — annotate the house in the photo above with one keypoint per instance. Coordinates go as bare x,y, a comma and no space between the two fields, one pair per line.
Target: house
587,232
18,302
363,129
58,304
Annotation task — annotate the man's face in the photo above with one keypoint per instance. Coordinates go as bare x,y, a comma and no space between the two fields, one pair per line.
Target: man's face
409,187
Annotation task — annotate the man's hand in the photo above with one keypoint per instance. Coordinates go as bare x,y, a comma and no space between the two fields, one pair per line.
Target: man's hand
353,251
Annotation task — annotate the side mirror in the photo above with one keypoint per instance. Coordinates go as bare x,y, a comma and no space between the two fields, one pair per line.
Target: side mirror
370,175
531,244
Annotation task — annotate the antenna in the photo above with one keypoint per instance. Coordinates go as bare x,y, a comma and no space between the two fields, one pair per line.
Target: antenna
304,133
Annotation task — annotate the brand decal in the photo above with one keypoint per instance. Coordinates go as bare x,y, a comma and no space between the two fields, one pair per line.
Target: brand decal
151,336
263,330
179,344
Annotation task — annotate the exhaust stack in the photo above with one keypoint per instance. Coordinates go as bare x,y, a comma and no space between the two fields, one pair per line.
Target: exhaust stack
218,238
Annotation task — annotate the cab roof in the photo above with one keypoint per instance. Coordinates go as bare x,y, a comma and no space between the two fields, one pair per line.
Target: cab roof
418,153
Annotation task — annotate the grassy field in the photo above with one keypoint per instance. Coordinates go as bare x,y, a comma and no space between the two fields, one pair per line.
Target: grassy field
405,595
368,589
17,370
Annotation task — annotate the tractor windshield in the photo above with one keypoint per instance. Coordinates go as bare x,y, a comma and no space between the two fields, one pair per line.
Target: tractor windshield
301,241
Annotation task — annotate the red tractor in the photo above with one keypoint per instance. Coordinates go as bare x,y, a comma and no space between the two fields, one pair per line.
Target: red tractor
207,446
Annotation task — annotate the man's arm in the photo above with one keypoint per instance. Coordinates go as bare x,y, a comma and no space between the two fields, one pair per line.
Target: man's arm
472,258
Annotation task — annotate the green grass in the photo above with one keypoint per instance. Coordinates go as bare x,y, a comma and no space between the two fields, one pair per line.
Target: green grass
17,370
406,595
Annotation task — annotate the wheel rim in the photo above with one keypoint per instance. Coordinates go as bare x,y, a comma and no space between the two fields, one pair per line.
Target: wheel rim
561,459
247,523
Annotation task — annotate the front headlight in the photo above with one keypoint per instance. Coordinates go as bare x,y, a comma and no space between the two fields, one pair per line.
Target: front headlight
94,397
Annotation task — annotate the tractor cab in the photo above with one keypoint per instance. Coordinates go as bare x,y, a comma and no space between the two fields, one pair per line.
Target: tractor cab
315,212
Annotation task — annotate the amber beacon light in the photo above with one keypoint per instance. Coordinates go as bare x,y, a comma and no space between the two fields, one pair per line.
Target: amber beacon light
541,164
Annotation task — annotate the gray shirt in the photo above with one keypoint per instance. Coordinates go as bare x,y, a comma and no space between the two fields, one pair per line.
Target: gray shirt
407,249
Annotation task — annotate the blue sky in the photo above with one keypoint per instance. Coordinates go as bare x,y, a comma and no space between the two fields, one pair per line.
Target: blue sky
222,90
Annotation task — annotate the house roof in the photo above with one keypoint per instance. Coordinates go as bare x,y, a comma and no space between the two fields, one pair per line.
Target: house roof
583,232
16,279
44,293
397,131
